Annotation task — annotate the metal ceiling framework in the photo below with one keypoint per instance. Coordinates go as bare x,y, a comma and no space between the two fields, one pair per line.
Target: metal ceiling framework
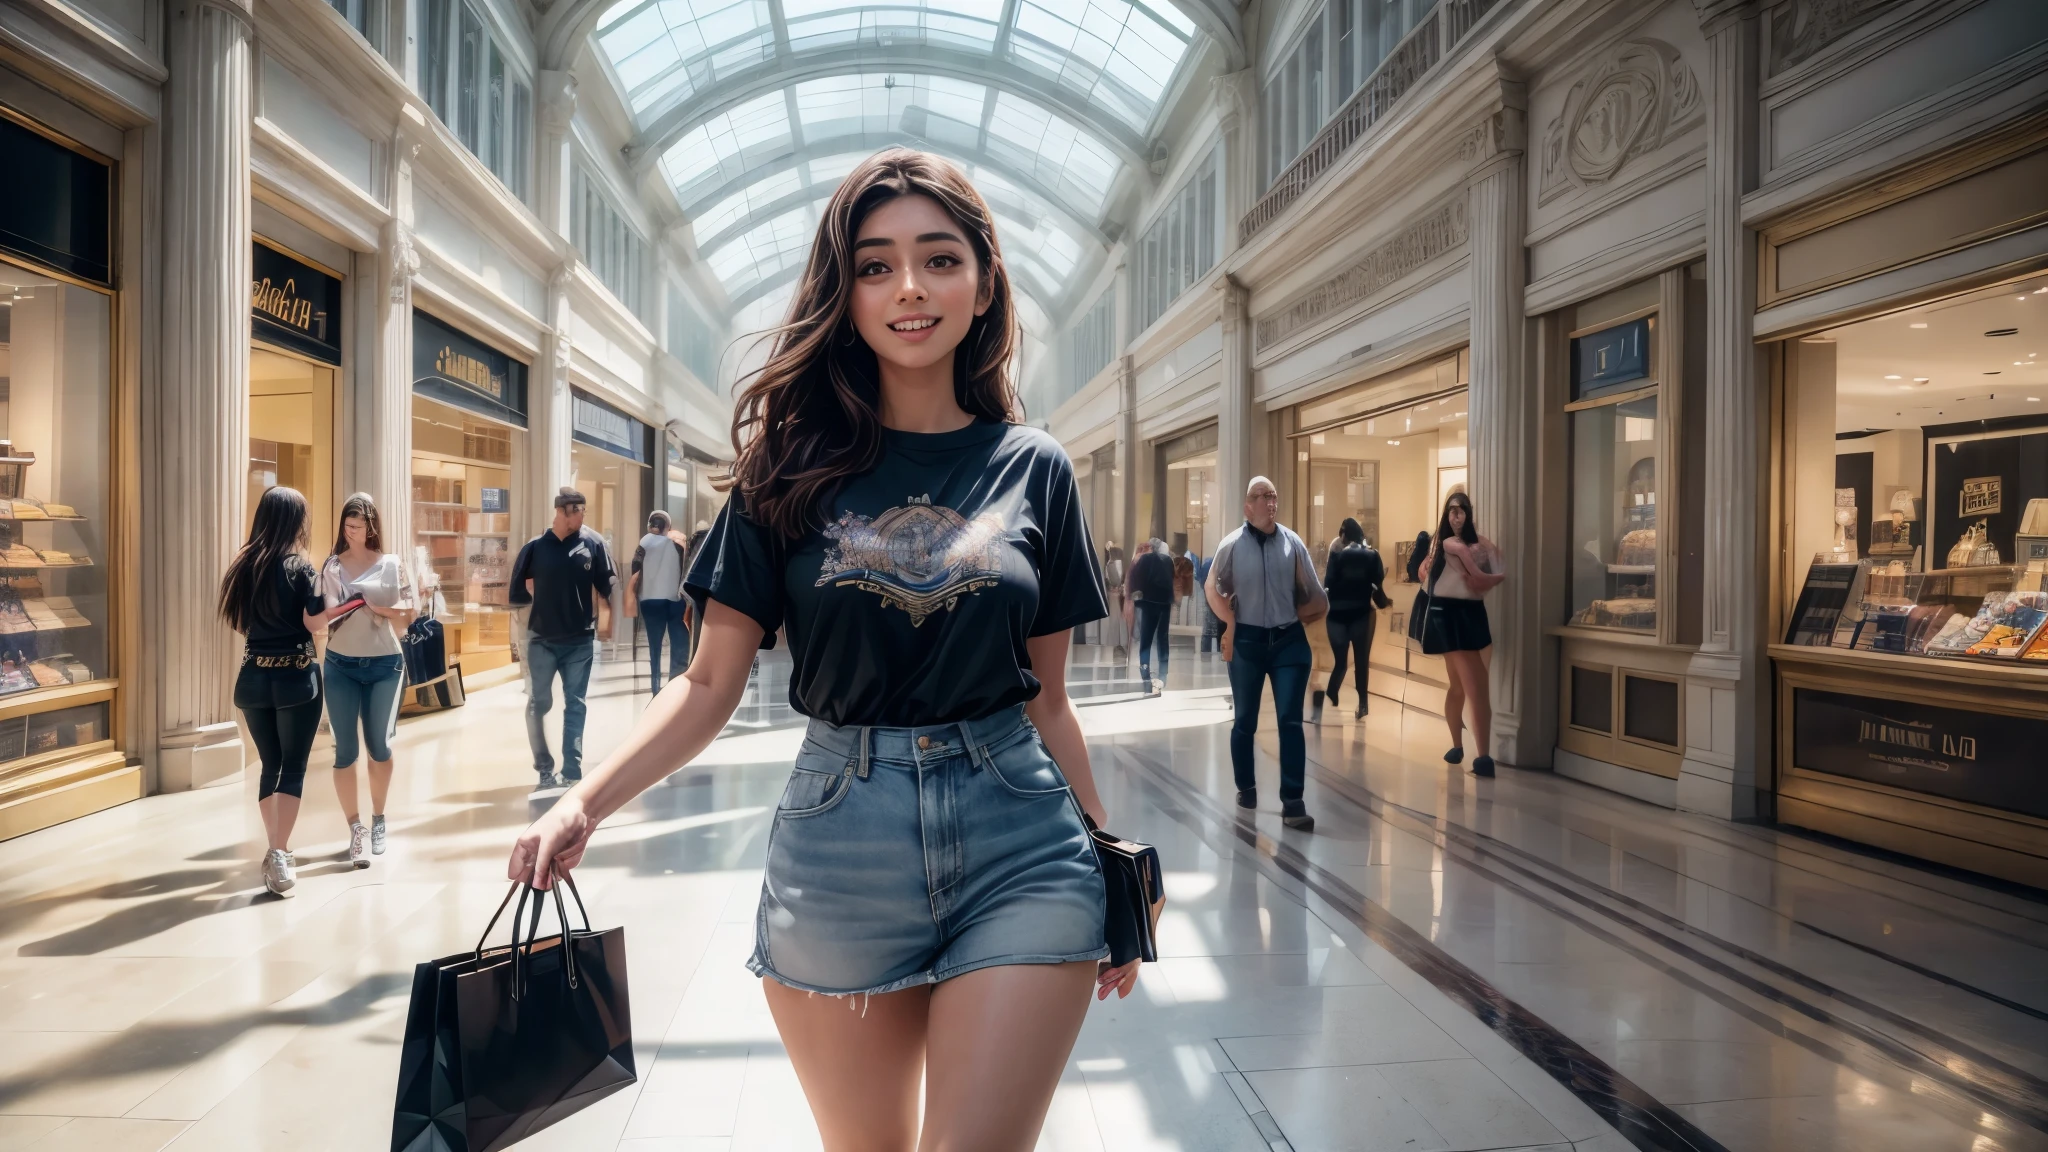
754,109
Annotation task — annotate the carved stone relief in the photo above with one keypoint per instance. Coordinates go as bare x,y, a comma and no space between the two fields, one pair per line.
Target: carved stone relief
1636,98
1801,28
1429,236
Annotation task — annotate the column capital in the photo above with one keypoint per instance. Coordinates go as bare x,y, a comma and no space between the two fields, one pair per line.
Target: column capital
1501,134
242,10
1232,93
557,94
1718,14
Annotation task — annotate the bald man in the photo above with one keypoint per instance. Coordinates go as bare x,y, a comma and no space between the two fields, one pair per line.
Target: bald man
1262,585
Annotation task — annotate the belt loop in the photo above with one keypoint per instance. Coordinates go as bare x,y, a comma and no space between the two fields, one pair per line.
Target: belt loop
968,745
863,737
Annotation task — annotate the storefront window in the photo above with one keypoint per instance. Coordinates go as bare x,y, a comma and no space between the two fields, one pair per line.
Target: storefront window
1614,477
1391,472
1919,510
55,371
462,469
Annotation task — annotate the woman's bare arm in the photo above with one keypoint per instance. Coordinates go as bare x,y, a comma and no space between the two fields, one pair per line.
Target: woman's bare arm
681,721
1052,712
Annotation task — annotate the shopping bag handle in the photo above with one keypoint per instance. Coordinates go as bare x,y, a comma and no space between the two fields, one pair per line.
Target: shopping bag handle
519,912
520,888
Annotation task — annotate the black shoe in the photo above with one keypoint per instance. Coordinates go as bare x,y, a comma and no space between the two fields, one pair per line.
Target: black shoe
1315,711
1247,797
1454,756
1294,814
1482,766
1360,714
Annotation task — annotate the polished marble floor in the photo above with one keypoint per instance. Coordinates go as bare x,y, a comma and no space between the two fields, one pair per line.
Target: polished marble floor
1445,963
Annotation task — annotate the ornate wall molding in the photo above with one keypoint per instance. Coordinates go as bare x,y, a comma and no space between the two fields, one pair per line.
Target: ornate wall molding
1634,99
1416,243
1801,28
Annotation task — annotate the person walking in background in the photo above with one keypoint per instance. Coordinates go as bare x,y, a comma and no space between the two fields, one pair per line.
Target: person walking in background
1149,607
657,581
1353,577
1263,588
565,574
271,595
372,601
1463,567
1114,571
1209,624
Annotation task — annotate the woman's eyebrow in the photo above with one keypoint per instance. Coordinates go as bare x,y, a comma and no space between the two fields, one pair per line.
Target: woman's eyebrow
873,242
935,237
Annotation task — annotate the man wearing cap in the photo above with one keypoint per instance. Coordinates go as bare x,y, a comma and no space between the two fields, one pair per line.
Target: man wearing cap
566,575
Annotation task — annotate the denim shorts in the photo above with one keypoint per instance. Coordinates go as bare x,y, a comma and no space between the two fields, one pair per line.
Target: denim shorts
907,856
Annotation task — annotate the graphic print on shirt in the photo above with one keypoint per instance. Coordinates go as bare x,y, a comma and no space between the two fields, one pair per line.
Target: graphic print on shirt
920,557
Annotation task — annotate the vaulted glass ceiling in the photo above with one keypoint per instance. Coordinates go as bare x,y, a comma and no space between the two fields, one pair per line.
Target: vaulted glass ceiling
1116,55
756,109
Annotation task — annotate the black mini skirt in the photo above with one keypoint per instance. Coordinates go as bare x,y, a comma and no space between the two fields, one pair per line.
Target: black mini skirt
1455,625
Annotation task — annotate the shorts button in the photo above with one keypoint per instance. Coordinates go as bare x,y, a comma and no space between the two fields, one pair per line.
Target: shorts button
924,742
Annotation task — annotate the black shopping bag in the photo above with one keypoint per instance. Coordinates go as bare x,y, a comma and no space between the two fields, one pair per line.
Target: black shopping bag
501,1043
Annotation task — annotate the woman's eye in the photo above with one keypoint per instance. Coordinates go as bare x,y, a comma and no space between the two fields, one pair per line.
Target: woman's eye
872,268
943,260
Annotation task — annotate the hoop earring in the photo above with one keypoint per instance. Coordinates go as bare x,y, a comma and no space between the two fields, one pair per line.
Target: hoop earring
851,336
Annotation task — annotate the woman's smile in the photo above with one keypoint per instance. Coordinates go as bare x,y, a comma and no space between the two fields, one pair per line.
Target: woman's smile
915,328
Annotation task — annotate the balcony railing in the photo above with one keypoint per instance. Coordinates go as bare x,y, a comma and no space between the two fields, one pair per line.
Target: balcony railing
1429,42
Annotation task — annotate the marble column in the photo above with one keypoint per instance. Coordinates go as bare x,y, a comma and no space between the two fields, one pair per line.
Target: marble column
1727,695
547,402
199,433
1127,446
1236,94
1505,422
388,469
1239,424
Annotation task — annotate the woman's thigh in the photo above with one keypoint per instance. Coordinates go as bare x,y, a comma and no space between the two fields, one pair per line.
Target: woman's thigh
997,1041
380,711
860,1060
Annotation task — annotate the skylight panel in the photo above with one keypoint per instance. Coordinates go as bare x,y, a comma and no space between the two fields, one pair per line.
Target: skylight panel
1053,149
763,250
746,201
712,151
1120,56
664,50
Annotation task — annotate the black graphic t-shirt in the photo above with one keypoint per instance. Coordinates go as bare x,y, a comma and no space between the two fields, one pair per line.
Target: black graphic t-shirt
913,604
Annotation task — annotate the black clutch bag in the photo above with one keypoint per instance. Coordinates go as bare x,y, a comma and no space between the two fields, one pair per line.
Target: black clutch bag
1137,892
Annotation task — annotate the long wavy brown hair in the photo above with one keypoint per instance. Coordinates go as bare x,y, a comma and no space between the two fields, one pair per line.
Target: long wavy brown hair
809,419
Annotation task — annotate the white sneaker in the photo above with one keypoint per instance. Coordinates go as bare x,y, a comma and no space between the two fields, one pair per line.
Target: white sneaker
377,835
278,874
358,845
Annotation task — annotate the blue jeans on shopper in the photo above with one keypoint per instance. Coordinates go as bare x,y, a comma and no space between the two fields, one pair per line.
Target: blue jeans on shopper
664,620
1152,633
571,659
1282,654
362,693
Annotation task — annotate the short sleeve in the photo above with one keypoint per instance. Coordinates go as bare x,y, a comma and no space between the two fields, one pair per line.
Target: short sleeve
306,588
740,565
1069,579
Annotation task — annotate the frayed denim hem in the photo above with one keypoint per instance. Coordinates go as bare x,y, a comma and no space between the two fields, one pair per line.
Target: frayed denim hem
760,968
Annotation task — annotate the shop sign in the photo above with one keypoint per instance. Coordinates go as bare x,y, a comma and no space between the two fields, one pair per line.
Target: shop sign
600,425
55,211
496,500
1982,496
1976,757
294,305
455,369
1603,361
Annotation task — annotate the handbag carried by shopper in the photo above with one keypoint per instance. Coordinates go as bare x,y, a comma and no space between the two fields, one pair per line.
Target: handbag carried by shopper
1137,893
502,1042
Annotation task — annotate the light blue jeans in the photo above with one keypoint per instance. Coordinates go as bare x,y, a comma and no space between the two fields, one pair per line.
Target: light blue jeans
362,692
545,659
907,856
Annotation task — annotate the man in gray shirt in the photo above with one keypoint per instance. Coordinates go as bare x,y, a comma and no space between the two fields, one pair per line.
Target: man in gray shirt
1261,586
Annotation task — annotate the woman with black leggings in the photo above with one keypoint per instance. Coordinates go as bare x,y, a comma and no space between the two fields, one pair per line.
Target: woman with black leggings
1353,578
271,595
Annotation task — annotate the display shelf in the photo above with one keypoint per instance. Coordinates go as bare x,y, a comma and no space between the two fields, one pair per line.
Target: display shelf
46,519
1632,569
6,567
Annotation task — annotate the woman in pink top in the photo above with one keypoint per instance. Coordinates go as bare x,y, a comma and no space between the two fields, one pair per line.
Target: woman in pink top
1463,567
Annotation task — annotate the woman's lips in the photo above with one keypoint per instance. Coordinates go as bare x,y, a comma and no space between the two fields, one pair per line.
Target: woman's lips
915,329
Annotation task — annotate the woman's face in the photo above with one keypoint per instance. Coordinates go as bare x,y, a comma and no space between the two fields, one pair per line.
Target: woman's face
916,283
1456,512
353,528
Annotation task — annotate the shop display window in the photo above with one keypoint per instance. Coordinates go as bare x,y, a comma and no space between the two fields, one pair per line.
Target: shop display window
1390,471
462,490
1921,507
55,372
1612,418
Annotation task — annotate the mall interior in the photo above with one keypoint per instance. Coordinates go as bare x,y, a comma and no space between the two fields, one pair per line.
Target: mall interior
1726,315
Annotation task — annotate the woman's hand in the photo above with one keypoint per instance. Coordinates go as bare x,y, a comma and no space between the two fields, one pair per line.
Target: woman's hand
552,844
1118,980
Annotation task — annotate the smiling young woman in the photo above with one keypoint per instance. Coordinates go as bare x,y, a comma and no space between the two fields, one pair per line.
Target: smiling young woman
932,909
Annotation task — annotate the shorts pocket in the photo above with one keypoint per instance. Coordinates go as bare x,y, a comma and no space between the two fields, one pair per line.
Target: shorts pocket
1026,769
811,792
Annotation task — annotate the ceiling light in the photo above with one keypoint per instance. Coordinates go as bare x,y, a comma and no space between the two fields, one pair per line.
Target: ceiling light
1916,325
1920,379
1891,377
2033,399
1395,443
